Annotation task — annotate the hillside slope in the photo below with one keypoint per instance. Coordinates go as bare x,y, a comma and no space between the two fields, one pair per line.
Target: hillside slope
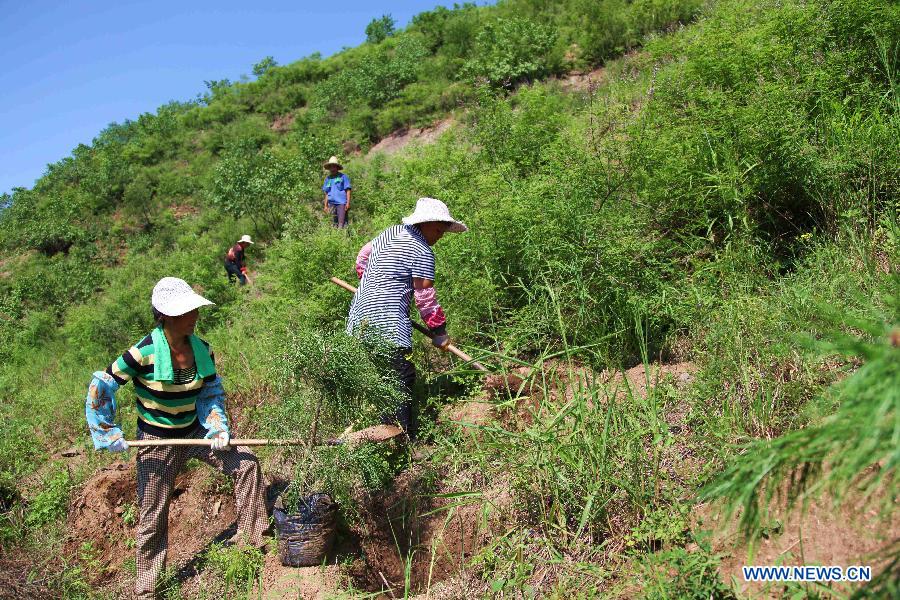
727,186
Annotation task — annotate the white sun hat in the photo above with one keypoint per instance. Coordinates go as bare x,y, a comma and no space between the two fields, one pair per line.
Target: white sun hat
430,210
173,297
245,238
333,161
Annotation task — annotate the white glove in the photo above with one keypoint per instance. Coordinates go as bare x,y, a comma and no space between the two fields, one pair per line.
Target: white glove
120,445
221,441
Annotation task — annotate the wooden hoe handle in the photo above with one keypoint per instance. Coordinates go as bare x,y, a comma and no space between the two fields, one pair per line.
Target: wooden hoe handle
422,329
205,442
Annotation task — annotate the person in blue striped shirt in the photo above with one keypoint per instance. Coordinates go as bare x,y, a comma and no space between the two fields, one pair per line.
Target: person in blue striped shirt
394,268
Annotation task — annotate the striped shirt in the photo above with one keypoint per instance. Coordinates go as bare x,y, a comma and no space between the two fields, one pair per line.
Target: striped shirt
165,408
382,301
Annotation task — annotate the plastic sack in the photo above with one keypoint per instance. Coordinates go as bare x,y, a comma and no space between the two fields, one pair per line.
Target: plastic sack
304,538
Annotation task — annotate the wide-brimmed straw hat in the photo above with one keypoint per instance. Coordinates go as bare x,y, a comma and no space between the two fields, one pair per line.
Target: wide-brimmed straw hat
333,161
430,210
245,238
173,297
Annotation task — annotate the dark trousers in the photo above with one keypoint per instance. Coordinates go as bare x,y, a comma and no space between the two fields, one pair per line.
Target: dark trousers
406,376
339,213
234,271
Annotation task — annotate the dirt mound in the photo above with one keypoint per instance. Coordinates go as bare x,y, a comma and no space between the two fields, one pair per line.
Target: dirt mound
400,139
96,516
103,515
643,377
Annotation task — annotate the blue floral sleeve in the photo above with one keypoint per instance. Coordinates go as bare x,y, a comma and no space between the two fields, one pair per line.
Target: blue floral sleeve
211,407
100,410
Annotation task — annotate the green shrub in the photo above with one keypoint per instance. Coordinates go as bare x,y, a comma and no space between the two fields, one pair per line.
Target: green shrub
377,77
49,224
261,68
508,51
343,472
256,185
333,380
50,504
679,573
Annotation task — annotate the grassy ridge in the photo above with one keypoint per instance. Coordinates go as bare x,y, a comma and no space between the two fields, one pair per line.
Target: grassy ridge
721,186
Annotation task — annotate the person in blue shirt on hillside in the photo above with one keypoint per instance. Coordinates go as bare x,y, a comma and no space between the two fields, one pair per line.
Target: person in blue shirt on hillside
337,192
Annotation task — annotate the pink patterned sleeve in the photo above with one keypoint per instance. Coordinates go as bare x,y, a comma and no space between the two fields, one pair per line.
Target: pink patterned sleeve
429,308
362,259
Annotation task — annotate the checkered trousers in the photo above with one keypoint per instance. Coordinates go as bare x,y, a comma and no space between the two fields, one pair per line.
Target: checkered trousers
156,471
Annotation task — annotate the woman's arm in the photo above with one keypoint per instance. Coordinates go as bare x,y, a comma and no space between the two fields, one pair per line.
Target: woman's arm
430,310
100,404
211,408
100,410
362,259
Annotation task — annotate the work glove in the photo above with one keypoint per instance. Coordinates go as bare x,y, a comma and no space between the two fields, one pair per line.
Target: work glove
120,445
441,341
221,441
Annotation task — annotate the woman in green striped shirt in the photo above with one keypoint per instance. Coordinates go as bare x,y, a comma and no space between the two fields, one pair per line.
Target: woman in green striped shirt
179,395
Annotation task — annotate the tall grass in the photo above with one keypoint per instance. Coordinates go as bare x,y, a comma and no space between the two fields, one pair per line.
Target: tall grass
852,452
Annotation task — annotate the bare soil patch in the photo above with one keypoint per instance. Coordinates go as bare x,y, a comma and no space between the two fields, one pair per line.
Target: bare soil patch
398,140
292,583
853,534
22,579
583,82
283,123
182,211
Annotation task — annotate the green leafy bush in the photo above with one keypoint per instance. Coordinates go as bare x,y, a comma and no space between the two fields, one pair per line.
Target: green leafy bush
51,502
376,77
48,224
508,51
257,185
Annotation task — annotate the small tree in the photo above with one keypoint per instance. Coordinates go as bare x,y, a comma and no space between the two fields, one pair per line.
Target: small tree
379,30
140,199
263,66
256,184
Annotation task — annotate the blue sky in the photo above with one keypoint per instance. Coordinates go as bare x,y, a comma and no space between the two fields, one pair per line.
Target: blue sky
68,69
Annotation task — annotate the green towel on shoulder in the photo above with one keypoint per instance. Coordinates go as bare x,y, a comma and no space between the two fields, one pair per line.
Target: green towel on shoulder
162,357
